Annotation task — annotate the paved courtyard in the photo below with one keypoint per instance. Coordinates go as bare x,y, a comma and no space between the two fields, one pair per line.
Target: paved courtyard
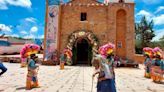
75,79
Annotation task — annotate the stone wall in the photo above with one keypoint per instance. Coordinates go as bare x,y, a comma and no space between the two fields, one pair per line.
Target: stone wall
101,20
96,22
139,58
130,31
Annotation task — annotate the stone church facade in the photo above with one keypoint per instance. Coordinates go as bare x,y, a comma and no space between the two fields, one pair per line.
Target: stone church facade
87,24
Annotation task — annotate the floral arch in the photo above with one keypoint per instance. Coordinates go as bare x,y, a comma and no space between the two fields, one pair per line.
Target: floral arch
82,34
93,40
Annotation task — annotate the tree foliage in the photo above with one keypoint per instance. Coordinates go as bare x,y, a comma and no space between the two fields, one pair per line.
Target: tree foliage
144,33
162,39
159,43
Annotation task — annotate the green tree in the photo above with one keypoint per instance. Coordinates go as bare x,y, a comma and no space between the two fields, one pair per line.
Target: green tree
161,42
144,33
162,39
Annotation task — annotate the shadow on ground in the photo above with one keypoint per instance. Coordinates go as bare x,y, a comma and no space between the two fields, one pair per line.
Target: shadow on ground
21,88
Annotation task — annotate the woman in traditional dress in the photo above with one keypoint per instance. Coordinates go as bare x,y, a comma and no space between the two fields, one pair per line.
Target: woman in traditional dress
32,79
158,65
157,70
148,54
148,64
106,81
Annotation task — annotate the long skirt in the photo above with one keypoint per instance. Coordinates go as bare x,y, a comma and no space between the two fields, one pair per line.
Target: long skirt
147,72
157,74
106,86
31,81
99,86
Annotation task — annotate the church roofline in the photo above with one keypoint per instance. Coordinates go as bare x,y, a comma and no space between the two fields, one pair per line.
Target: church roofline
91,0
125,1
99,3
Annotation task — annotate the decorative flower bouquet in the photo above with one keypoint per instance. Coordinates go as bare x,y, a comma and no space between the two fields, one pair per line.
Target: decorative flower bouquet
69,54
106,49
148,51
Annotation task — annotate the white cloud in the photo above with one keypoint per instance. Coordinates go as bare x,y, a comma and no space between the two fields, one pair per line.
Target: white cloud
26,24
15,35
145,13
12,35
3,5
29,36
5,28
31,19
33,36
22,3
152,1
159,20
33,29
23,32
161,8
2,1
42,36
159,34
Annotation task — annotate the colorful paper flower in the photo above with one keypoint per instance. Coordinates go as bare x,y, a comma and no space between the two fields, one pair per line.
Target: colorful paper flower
148,51
68,52
158,51
29,49
106,49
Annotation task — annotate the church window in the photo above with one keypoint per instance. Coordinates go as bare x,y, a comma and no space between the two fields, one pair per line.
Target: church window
83,16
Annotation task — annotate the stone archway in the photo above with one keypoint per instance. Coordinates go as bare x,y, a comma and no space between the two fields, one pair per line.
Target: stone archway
89,42
121,33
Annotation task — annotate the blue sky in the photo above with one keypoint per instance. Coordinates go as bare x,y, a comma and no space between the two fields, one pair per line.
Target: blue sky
25,18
